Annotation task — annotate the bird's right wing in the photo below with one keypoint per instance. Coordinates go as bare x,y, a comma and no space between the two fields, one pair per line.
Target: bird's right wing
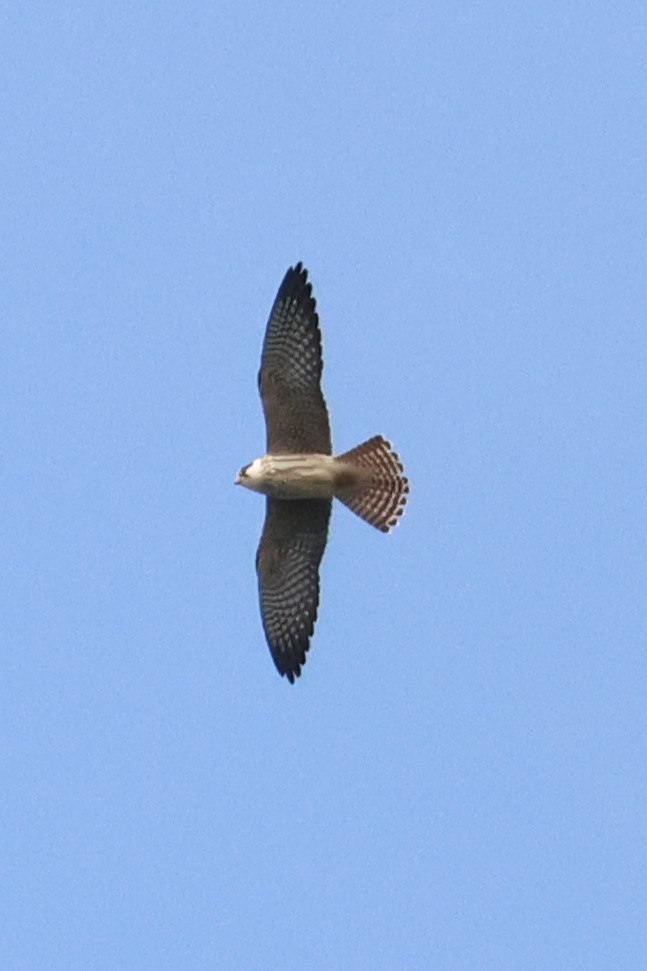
287,562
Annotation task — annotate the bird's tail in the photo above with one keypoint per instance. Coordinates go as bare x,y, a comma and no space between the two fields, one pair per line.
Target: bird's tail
371,483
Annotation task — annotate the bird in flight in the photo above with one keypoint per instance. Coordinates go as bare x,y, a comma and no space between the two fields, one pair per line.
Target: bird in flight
300,476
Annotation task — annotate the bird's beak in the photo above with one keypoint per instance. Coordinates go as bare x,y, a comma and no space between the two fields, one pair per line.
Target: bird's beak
237,480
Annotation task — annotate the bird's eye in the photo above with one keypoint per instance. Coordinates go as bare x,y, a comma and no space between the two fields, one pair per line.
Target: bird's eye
243,471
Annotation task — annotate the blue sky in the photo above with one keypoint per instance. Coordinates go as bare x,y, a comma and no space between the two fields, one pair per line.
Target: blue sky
458,779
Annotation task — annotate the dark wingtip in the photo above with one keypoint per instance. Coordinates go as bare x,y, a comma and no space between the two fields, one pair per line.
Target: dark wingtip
295,280
289,663
296,286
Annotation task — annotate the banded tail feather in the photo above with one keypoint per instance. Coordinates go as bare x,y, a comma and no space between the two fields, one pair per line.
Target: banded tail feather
374,488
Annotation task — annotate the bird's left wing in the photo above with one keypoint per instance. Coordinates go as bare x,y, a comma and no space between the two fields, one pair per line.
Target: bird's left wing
289,379
287,562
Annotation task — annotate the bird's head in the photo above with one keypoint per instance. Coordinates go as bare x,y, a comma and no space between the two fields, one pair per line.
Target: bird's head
242,475
251,475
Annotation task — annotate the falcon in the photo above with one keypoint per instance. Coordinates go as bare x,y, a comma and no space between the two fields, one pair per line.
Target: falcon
300,476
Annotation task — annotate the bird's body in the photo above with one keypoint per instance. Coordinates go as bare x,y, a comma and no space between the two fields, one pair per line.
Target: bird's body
306,475
300,476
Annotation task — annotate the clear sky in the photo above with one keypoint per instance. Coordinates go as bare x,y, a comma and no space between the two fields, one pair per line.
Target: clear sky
458,780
